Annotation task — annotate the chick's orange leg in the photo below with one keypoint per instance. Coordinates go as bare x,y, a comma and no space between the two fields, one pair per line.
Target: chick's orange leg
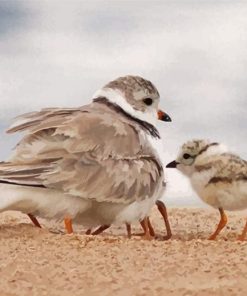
162,209
242,236
68,225
149,225
145,225
221,225
34,220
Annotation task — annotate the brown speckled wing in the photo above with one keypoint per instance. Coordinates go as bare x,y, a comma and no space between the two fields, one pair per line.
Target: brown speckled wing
105,180
228,168
87,152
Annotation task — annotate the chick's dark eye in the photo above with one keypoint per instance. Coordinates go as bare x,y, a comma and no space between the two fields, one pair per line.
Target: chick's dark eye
186,156
148,101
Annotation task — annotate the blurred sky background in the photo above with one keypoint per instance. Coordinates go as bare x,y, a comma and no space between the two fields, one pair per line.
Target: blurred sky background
58,53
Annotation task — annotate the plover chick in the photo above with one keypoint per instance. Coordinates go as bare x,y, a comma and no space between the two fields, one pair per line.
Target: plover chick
217,176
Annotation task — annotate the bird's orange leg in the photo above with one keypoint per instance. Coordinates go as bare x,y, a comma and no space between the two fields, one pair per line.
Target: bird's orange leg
34,220
221,225
144,223
68,225
242,236
162,209
100,229
150,227
128,228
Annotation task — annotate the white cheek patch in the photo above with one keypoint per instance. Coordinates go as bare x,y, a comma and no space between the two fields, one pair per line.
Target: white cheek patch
116,97
185,169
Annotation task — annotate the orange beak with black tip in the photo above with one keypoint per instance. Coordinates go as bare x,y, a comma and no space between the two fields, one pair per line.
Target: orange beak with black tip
163,116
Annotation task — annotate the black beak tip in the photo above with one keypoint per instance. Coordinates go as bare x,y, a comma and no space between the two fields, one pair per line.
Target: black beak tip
167,118
172,164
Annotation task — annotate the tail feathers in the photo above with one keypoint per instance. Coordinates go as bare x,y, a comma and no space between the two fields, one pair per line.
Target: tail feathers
25,175
21,183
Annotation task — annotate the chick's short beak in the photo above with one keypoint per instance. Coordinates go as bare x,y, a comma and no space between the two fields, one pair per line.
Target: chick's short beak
172,164
163,116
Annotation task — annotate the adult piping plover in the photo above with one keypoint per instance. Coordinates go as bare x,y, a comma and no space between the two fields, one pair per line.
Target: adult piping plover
218,177
96,165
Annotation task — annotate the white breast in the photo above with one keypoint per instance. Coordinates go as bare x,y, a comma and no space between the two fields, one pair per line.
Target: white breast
199,182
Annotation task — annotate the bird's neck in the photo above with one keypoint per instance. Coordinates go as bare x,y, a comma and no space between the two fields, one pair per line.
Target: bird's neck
117,97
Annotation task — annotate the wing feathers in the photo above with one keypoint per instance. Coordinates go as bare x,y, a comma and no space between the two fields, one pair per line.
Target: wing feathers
87,152
228,167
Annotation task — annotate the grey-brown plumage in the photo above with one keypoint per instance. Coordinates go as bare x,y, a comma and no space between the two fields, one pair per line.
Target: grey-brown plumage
229,168
99,153
86,152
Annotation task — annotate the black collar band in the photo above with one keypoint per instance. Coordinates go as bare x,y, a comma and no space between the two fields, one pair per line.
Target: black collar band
148,127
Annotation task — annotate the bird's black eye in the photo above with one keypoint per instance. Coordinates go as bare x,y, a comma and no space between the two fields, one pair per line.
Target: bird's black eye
186,156
148,101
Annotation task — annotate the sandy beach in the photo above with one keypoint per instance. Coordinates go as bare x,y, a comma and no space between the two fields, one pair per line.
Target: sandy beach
40,262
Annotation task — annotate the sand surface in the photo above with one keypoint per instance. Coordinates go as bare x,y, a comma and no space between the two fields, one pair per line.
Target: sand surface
38,262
